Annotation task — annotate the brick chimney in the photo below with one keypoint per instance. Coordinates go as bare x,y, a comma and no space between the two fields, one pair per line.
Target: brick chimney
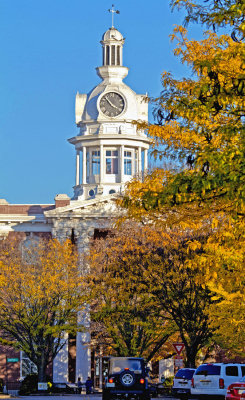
62,200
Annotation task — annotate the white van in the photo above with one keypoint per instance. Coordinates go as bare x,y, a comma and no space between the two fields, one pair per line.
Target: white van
214,379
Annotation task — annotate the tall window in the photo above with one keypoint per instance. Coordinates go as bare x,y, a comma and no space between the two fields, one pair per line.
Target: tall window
127,162
111,162
118,56
87,164
96,162
136,162
107,57
113,55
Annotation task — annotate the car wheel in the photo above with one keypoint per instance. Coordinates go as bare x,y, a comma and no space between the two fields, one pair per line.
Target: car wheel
127,378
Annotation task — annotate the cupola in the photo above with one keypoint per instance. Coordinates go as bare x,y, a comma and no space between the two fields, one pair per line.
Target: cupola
112,42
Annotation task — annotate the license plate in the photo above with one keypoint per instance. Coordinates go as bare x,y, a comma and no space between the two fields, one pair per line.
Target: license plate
240,391
205,383
110,384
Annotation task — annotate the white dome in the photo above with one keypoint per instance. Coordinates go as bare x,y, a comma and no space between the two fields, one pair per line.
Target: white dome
112,34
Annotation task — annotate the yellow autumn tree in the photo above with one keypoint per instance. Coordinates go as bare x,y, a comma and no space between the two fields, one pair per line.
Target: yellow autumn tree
200,125
41,291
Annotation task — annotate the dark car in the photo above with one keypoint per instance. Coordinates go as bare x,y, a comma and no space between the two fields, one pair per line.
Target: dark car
127,377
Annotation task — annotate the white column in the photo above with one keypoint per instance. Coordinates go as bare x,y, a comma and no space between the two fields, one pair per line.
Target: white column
122,163
83,353
145,160
139,161
102,162
84,165
78,168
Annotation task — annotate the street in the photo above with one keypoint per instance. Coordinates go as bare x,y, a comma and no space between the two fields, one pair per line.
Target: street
75,397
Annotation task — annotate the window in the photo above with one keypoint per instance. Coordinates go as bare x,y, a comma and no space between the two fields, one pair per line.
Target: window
95,162
107,55
231,370
113,55
185,373
118,55
208,369
112,191
87,163
118,365
136,162
128,163
111,162
243,372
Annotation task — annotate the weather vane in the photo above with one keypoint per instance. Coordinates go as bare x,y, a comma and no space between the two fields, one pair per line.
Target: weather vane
112,14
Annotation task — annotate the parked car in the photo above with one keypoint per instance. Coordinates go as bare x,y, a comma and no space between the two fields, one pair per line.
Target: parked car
127,376
182,382
235,390
213,379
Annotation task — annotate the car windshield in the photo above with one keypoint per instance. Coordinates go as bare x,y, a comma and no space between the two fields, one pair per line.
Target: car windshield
185,373
118,365
208,369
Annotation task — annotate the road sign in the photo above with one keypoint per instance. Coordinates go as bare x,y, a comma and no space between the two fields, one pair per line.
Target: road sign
179,347
178,361
13,360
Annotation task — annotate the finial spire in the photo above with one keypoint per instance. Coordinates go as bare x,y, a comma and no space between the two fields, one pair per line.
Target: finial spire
112,14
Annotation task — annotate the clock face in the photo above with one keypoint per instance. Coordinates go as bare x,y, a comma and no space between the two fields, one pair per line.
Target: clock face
112,104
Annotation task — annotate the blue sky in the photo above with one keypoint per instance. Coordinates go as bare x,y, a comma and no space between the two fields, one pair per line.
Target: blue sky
49,51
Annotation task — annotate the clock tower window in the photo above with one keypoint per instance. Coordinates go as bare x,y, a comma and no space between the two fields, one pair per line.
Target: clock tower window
127,162
112,162
118,55
95,162
107,55
113,55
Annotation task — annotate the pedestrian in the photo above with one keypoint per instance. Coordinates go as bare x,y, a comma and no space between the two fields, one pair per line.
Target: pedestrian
79,385
89,385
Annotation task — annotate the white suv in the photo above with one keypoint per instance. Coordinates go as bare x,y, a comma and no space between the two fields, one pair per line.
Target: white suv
214,379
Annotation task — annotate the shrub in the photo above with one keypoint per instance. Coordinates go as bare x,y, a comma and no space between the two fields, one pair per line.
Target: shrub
29,384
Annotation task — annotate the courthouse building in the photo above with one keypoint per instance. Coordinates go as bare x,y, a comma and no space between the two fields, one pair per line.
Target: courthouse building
109,151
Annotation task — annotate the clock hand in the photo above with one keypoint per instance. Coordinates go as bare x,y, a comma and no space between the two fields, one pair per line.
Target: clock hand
111,104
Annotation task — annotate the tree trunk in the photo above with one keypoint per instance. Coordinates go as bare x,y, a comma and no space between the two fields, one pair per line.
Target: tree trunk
191,353
41,367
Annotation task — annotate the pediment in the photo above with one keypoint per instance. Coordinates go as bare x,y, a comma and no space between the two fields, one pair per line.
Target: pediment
99,207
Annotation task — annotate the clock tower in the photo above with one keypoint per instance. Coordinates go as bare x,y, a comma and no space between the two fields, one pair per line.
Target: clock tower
110,150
